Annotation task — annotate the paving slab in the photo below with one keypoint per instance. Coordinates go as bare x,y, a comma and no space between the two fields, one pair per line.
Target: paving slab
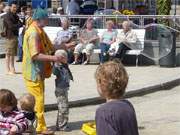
142,78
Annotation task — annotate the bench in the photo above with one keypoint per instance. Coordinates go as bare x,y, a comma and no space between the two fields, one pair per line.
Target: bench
52,33
139,44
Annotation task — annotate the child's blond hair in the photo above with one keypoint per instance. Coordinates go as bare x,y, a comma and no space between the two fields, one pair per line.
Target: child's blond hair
113,78
27,102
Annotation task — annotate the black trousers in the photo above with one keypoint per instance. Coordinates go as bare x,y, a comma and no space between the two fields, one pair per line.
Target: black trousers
122,51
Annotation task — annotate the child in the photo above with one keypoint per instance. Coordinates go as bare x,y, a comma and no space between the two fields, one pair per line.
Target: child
63,77
12,121
27,104
117,116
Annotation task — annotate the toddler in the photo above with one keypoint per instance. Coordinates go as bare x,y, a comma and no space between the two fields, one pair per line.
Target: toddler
12,121
62,82
26,105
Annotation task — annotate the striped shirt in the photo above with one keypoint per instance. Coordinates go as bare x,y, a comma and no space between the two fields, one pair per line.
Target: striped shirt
9,119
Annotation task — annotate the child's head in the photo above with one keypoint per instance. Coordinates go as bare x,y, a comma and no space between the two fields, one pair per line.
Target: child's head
62,53
27,102
112,79
8,100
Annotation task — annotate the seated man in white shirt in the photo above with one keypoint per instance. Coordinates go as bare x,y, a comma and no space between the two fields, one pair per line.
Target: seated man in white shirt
125,39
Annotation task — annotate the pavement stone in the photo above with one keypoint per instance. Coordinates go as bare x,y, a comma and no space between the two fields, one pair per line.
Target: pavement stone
157,114
142,79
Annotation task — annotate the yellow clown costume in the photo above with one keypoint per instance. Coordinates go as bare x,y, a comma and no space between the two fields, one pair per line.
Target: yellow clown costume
34,72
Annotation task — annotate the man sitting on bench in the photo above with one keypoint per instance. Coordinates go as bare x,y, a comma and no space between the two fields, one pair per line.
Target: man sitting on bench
125,39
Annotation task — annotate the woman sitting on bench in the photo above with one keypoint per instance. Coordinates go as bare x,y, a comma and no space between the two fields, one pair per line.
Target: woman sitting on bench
88,39
125,39
107,39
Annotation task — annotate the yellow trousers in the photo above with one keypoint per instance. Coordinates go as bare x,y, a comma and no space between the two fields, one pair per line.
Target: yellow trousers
37,90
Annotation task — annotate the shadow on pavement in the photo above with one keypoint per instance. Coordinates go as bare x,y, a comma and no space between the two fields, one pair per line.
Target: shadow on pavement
73,125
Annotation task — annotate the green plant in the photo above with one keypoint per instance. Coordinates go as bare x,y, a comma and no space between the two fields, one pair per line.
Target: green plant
163,8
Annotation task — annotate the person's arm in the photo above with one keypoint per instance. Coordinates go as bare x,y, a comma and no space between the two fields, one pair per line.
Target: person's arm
82,40
70,45
10,24
94,38
102,37
132,38
55,70
44,57
35,52
81,37
67,10
5,125
113,38
21,124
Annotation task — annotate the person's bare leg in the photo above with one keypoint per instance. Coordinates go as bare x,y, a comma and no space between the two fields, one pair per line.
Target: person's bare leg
12,64
87,59
76,56
7,63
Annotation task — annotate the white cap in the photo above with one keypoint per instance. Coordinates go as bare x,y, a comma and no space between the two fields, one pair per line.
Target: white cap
62,53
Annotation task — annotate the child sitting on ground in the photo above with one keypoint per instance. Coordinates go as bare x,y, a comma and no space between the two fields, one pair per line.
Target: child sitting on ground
117,116
26,105
62,82
12,121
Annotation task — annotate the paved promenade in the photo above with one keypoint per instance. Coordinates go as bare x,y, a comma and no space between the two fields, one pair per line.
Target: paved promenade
157,114
141,79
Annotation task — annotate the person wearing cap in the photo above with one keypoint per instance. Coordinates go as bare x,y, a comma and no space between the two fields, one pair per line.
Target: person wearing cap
37,60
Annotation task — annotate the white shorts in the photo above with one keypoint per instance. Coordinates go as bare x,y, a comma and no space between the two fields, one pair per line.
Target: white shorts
86,48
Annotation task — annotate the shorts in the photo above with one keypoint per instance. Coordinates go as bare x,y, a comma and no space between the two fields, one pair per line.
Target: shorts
88,48
11,46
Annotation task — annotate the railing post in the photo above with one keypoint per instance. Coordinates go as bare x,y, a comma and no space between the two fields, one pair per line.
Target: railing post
142,21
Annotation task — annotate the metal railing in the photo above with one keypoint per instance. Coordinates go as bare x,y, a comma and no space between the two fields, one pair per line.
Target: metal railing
141,18
139,21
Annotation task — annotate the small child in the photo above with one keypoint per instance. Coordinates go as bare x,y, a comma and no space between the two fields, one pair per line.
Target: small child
62,82
26,105
117,116
12,121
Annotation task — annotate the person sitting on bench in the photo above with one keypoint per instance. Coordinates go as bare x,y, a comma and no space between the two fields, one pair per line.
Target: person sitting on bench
125,39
